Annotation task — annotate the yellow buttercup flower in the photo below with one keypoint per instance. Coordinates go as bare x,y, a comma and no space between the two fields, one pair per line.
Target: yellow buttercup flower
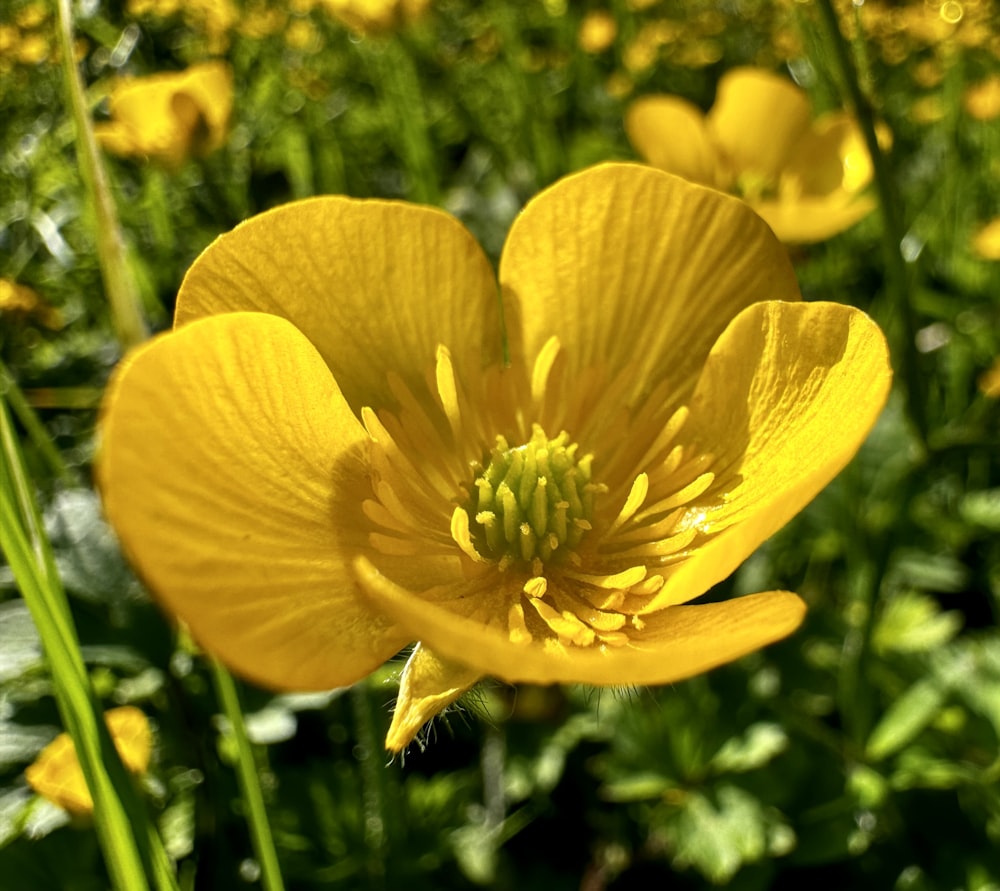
986,241
804,177
374,16
56,773
334,454
20,301
170,117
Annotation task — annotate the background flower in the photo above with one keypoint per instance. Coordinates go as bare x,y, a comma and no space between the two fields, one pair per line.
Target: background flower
56,773
803,177
170,117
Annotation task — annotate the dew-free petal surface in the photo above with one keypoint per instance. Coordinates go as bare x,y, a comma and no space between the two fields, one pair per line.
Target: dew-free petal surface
677,643
786,398
232,469
671,134
375,285
807,220
637,269
757,118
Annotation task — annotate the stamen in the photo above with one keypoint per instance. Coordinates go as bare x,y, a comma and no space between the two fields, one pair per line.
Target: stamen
447,389
460,534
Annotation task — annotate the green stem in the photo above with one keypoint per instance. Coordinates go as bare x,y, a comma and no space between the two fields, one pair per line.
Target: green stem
130,855
900,283
246,775
372,792
33,426
119,283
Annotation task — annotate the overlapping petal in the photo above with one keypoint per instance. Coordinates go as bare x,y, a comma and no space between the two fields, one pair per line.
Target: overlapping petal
238,498
374,285
786,398
757,118
634,269
671,133
676,643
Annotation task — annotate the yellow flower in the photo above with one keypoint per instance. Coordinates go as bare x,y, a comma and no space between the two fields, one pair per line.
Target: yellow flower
986,241
982,99
989,380
374,16
56,773
333,455
170,117
759,141
20,301
598,30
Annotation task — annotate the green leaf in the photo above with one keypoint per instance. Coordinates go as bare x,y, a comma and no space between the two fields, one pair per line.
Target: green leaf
717,835
755,748
905,718
913,623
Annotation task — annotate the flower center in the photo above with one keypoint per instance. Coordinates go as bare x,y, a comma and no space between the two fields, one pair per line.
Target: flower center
533,501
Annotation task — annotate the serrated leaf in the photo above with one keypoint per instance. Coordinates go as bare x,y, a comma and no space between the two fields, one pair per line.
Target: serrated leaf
719,836
905,718
20,648
982,509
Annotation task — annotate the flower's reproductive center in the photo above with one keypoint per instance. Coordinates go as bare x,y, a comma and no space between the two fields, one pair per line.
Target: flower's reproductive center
533,502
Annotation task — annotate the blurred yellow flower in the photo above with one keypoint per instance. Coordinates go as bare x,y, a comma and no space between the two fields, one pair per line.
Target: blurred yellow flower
170,117
759,141
374,16
598,30
982,100
986,241
989,380
56,773
22,302
333,454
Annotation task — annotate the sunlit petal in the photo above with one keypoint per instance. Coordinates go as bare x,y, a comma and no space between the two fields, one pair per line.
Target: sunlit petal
238,498
374,285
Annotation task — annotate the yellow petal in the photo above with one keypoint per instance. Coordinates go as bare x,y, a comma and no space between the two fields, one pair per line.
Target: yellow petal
428,685
600,254
757,118
56,773
373,285
806,220
231,467
786,398
677,643
670,133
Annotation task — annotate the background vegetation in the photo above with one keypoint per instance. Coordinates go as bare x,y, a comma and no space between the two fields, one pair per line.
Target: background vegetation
861,753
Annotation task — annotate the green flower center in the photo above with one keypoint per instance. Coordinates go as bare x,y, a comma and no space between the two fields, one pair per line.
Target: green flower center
534,501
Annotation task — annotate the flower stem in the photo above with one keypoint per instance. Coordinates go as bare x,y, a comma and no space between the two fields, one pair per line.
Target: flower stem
131,847
36,431
900,278
373,803
246,774
119,283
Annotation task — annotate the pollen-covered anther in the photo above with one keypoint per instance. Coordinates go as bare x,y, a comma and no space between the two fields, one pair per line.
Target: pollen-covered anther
532,502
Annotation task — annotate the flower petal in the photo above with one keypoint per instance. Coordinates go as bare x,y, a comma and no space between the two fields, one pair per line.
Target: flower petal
677,643
429,684
806,220
757,118
670,133
596,257
231,467
786,398
373,285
